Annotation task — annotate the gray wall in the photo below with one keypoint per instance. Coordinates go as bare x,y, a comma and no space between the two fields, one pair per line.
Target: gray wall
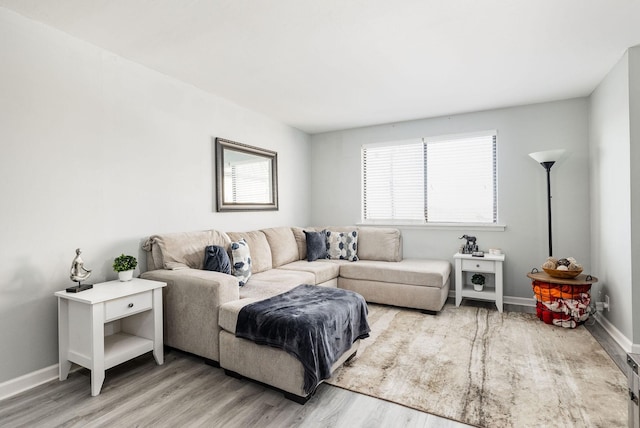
99,152
634,158
615,192
336,184
611,193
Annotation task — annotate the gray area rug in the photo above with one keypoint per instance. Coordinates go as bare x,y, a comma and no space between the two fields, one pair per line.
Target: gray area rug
481,367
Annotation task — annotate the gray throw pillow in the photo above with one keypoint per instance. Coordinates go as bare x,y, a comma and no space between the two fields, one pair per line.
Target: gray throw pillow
316,245
216,259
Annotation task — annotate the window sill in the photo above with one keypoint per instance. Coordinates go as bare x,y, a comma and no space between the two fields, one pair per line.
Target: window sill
438,226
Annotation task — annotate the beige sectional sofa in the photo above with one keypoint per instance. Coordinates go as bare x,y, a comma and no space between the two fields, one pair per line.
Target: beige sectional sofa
201,307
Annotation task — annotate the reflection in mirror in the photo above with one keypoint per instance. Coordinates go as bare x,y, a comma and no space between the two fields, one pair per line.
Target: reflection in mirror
246,177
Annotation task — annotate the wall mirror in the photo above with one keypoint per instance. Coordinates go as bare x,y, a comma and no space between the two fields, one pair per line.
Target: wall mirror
246,177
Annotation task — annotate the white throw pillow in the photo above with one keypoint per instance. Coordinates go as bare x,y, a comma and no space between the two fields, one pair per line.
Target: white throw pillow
241,259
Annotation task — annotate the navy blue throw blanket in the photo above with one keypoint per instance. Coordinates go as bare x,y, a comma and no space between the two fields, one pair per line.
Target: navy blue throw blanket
317,325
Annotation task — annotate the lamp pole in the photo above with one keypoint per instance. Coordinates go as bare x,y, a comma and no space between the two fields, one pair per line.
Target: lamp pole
547,166
547,159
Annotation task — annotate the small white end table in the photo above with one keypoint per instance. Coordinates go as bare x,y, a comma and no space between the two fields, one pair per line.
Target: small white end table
466,265
109,324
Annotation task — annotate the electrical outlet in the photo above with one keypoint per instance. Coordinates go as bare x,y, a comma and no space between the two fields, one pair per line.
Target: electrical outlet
606,302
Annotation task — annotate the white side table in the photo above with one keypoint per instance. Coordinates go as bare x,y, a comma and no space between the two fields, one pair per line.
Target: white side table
109,324
467,265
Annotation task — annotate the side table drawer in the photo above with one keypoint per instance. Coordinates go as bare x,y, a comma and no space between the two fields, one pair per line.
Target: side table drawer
478,265
128,305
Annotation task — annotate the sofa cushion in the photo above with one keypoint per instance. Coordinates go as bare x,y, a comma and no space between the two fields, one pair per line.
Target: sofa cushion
216,259
274,281
260,251
282,242
228,315
241,257
323,271
316,245
408,296
301,239
342,245
427,273
384,244
186,249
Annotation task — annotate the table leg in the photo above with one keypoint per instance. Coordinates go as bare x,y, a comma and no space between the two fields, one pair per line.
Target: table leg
97,349
97,379
158,343
458,282
499,286
64,365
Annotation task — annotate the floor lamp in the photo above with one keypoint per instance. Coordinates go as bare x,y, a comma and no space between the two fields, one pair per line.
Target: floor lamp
547,159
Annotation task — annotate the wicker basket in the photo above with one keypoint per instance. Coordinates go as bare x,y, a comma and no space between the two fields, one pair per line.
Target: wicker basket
562,273
563,305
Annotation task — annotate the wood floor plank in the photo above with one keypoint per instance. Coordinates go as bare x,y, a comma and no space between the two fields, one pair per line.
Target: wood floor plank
186,392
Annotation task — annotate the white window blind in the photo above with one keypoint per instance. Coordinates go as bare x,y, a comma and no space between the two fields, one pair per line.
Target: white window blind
248,182
393,181
437,180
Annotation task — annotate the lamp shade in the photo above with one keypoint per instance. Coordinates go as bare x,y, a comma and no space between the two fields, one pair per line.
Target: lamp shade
547,155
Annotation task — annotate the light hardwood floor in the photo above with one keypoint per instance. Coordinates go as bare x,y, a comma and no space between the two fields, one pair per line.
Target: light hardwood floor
185,392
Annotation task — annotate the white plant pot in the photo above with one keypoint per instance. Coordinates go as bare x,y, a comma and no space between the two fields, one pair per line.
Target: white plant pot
478,287
125,275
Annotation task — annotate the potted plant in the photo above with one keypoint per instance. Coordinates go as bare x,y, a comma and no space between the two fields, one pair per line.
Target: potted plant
124,265
478,281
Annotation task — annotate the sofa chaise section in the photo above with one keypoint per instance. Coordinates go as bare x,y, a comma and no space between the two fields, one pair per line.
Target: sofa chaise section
410,283
271,366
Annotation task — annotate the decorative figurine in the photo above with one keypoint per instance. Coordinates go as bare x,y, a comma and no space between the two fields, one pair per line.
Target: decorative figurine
78,273
470,247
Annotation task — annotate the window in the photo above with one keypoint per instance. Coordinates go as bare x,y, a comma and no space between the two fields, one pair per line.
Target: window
433,180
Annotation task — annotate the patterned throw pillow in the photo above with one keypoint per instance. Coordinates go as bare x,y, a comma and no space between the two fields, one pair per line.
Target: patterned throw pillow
316,245
241,259
342,245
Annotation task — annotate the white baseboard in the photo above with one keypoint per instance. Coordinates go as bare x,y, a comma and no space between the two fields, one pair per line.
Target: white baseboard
616,335
519,301
28,381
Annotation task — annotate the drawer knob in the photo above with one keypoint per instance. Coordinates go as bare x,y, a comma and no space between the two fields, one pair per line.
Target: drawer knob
131,305
478,266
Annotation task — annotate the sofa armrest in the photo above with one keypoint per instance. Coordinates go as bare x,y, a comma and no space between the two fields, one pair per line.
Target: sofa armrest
191,300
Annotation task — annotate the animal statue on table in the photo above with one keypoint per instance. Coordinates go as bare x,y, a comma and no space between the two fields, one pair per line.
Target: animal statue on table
471,246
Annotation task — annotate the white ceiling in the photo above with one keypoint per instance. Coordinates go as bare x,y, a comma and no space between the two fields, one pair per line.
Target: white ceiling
322,65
